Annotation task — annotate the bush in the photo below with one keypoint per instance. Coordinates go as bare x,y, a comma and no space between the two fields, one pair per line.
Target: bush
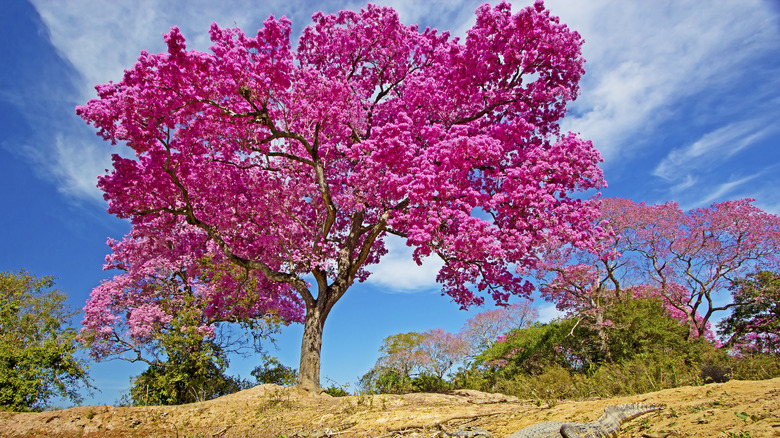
756,367
336,390
194,371
385,381
426,382
272,371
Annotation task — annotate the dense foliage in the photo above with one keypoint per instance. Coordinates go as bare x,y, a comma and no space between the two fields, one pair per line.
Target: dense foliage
648,348
39,357
297,164
639,328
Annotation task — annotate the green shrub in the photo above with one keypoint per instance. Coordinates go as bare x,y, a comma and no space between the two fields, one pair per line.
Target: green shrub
756,367
426,382
272,371
336,391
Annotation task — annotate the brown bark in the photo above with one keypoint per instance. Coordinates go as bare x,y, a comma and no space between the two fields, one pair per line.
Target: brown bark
317,310
311,346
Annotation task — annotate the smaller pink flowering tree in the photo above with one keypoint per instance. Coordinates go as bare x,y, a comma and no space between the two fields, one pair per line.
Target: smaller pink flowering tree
441,350
181,286
487,327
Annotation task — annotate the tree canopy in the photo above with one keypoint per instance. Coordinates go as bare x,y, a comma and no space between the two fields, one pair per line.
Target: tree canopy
38,350
754,325
295,163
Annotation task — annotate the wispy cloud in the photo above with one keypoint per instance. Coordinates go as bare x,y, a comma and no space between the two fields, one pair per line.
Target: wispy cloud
100,39
719,191
645,58
711,149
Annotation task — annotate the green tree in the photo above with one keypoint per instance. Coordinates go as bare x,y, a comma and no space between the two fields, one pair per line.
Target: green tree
644,327
754,325
187,364
38,350
189,375
637,327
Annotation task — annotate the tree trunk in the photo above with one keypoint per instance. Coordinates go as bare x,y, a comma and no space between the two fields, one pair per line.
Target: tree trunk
603,336
311,346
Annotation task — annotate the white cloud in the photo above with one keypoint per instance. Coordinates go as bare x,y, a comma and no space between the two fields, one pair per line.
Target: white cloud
99,40
397,272
645,58
720,191
712,148
548,312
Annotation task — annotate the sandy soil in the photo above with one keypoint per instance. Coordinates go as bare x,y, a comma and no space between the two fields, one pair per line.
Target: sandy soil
734,409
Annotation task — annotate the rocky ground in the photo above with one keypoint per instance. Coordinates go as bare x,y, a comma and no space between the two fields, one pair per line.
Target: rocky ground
734,409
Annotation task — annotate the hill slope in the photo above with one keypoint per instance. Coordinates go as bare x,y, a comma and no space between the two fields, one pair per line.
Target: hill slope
733,409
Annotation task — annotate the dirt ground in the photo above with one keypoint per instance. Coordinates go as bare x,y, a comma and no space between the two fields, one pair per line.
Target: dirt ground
740,409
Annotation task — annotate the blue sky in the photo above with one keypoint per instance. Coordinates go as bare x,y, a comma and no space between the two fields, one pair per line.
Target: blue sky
682,100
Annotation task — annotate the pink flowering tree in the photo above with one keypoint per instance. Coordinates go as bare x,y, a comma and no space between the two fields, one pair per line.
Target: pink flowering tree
441,350
484,329
689,259
704,251
297,164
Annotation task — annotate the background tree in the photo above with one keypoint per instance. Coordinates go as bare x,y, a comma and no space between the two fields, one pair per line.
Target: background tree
402,354
401,359
754,324
688,258
38,351
297,164
194,370
441,350
705,250
641,327
484,328
412,362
